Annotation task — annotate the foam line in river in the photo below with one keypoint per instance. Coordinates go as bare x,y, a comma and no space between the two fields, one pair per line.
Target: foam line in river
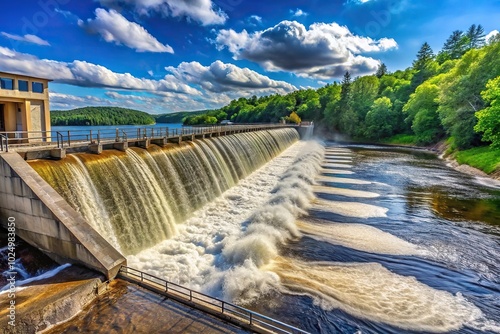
350,209
344,192
332,179
358,236
336,171
338,161
372,292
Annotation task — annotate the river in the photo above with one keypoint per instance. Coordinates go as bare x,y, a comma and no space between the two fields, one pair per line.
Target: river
352,239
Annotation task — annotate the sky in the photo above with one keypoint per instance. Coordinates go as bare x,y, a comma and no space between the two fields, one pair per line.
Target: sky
163,56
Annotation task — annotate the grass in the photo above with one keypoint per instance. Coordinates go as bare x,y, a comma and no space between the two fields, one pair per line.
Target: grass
484,158
401,139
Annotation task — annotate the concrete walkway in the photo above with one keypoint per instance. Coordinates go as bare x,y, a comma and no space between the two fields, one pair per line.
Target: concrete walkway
128,308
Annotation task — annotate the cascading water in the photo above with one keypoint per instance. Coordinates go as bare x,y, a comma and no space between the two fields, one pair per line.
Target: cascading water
136,198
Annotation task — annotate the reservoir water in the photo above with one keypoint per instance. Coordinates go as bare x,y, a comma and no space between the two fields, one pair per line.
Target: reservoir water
331,239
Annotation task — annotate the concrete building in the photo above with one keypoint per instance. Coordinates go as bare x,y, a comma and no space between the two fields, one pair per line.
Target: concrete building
24,106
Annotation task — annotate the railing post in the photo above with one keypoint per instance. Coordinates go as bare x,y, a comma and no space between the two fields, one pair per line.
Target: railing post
251,319
91,139
69,138
98,136
142,277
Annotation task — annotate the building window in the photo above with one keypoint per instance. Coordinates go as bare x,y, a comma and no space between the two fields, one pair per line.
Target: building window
37,87
23,85
7,83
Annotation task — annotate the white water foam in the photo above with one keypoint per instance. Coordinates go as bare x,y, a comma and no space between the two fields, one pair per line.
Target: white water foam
358,236
331,165
332,179
338,161
344,192
372,292
350,209
214,251
45,275
337,171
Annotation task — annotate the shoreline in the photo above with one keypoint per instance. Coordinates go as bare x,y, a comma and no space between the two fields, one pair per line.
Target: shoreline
439,149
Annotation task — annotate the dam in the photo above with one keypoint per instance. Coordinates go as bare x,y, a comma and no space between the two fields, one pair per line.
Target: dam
324,237
95,209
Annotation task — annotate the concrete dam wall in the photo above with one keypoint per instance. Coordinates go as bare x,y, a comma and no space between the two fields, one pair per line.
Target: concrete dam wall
45,220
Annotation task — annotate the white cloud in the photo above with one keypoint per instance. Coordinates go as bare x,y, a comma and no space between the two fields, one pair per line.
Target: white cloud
491,34
82,73
255,20
114,27
298,12
321,51
202,11
220,77
27,38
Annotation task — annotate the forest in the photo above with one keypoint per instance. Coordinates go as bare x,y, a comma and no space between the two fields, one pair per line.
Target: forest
453,94
100,116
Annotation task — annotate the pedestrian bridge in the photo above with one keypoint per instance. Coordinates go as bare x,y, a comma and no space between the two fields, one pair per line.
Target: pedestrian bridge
56,144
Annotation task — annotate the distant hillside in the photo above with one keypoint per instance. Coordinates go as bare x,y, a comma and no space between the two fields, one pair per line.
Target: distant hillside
177,117
101,116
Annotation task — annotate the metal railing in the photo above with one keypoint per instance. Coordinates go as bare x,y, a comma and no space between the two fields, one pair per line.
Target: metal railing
194,298
4,143
81,137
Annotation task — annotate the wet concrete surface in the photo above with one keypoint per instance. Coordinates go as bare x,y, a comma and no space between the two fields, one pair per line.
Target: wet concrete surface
128,308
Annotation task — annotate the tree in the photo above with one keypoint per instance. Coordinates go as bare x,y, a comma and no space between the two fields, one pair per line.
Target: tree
424,56
422,114
381,70
476,36
293,118
454,47
424,65
460,96
489,118
380,120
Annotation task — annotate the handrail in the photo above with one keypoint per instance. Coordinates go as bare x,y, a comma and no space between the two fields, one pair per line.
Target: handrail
222,307
82,137
60,140
4,139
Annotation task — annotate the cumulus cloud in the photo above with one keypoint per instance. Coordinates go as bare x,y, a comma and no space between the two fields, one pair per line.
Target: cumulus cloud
82,73
202,11
221,77
320,51
491,34
114,27
26,38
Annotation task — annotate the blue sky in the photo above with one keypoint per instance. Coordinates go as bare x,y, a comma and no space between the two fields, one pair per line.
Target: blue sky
162,56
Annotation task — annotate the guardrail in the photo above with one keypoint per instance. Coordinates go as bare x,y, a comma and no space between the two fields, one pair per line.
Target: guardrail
4,143
67,138
225,310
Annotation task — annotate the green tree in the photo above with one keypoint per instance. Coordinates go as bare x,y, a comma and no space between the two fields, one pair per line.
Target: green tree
381,70
454,47
422,114
476,36
461,89
424,65
489,118
380,120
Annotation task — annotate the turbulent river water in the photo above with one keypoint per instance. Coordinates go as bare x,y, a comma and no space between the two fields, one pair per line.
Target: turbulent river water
331,239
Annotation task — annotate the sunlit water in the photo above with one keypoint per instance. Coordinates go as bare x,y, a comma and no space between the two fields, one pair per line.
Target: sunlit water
345,240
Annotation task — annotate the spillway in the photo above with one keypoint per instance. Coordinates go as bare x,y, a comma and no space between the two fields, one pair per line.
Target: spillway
136,198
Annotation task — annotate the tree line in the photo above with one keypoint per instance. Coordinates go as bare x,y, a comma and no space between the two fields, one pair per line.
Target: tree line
101,116
453,93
